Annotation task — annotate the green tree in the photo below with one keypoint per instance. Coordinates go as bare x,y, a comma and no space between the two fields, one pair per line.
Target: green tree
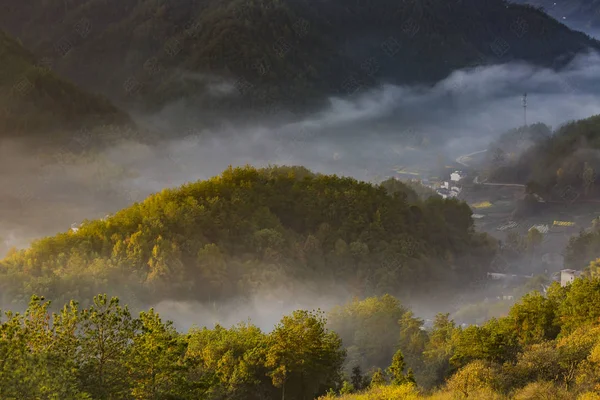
359,321
412,340
53,345
588,177
106,332
495,341
593,269
304,357
347,388
18,378
539,362
410,376
534,319
229,363
534,239
37,354
357,379
515,242
579,306
439,350
476,376
165,263
396,369
156,360
378,378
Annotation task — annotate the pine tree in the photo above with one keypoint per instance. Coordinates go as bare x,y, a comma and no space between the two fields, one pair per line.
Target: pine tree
357,378
410,376
396,369
156,360
378,378
107,329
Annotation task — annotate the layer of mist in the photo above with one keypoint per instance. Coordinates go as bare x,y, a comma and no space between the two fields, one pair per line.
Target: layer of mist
364,137
264,310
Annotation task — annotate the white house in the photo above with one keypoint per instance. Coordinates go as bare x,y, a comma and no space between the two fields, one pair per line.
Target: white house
457,176
567,276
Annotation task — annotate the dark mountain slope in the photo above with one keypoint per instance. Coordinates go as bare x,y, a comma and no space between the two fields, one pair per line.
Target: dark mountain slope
34,100
289,53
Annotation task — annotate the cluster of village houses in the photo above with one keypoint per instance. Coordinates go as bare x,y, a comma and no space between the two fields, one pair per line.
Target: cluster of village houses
452,188
446,189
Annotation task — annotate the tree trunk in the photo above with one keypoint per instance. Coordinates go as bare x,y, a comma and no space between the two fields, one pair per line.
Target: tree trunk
283,391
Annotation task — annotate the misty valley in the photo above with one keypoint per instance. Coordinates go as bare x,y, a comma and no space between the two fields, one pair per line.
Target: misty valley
297,200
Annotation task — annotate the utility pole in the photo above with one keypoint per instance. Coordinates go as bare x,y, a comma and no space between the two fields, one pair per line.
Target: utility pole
525,108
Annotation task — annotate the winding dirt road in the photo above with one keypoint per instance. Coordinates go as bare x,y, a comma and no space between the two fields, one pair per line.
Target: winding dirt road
461,160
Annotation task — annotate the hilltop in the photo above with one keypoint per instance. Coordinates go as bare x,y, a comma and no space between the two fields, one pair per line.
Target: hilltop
235,53
33,100
251,230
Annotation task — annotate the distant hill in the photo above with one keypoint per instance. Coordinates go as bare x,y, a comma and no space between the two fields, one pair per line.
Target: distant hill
562,166
251,231
34,100
286,53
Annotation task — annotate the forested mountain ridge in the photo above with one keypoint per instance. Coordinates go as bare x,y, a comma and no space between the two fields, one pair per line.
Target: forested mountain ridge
583,13
559,166
34,100
251,230
284,53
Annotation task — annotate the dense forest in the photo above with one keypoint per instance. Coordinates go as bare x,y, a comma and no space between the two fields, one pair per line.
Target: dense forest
558,166
34,100
251,230
545,347
277,53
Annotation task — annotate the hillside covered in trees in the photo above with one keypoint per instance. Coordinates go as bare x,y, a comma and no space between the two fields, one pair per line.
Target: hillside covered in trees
559,166
283,53
547,347
583,248
252,230
34,100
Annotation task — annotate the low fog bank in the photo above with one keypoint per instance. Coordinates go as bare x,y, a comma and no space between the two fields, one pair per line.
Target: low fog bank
264,310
